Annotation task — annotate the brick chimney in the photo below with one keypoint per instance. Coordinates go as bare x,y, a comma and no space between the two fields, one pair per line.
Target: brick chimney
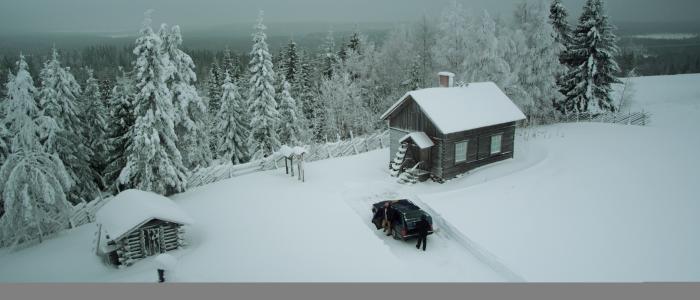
446,79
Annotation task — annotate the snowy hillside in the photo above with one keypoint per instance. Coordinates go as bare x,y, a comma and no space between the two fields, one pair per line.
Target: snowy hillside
579,202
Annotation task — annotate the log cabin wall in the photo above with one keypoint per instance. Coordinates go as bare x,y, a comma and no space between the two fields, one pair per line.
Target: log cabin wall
478,148
139,243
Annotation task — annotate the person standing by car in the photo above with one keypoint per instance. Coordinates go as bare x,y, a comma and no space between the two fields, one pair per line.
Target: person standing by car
386,211
391,216
422,227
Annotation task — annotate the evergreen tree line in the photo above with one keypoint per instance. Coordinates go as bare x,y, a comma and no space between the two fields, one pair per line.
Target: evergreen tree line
63,140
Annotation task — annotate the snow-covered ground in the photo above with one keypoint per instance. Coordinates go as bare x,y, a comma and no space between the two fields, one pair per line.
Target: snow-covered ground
579,202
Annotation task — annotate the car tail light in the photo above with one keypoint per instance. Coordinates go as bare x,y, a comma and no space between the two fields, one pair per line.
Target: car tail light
403,231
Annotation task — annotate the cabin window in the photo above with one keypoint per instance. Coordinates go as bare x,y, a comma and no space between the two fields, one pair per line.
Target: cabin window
461,151
496,143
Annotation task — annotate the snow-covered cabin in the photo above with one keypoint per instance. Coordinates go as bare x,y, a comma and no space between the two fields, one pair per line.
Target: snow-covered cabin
135,224
444,131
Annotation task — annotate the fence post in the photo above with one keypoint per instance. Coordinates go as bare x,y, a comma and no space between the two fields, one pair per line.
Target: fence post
629,118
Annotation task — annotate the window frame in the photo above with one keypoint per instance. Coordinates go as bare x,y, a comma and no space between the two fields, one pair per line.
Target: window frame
500,144
466,151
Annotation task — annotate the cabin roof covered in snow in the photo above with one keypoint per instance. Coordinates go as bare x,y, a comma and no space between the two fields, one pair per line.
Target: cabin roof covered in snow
420,138
456,109
132,208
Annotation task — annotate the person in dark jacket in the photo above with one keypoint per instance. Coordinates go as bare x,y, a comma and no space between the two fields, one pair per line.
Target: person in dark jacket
422,227
378,218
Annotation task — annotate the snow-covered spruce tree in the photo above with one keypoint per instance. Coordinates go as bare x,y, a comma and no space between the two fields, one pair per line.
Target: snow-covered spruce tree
304,87
562,31
414,74
105,90
453,40
21,112
231,125
488,64
95,117
230,64
154,162
425,39
588,84
60,99
290,63
263,139
191,123
289,129
328,57
120,129
4,132
355,42
213,84
33,182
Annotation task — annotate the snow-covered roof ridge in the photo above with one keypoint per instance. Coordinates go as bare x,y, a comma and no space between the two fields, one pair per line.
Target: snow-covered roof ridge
132,208
456,109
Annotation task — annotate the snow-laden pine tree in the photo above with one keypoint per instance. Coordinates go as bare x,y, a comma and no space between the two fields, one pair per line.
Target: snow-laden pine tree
414,74
562,31
119,132
191,123
21,111
425,39
452,45
60,99
213,84
95,117
588,83
263,139
304,87
328,57
33,182
290,63
4,132
106,86
230,64
290,130
154,162
487,63
231,125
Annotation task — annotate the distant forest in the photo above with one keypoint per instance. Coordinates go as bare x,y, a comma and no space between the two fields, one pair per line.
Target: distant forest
647,57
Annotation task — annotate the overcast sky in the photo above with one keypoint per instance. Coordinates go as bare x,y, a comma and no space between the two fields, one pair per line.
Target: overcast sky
126,15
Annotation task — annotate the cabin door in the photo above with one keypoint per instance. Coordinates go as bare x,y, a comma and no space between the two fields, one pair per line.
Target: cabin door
152,241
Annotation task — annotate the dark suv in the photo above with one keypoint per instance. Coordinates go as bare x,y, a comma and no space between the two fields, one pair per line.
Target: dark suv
407,216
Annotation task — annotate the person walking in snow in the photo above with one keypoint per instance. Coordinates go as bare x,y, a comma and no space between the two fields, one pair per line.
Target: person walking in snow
422,227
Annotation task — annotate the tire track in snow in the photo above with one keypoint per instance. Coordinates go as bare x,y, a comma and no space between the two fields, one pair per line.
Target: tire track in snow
474,248
361,202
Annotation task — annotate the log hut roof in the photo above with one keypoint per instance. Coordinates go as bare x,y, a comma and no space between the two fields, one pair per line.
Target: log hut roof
420,138
133,208
456,109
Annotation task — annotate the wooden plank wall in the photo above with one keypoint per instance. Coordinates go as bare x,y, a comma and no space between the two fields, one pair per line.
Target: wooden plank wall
411,118
479,148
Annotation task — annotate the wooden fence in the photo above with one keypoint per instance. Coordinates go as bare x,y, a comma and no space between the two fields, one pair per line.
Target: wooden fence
352,146
640,118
